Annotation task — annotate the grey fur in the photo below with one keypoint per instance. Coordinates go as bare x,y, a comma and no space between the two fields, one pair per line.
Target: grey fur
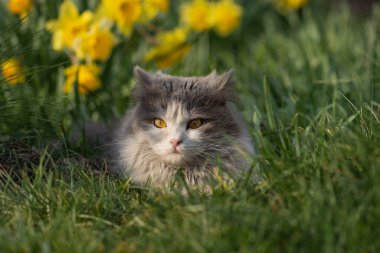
222,137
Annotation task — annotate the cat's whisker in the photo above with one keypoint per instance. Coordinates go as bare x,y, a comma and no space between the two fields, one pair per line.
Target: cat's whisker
223,151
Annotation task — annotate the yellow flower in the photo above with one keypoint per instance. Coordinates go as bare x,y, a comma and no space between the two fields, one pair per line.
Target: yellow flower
124,12
69,25
86,75
96,44
290,5
226,17
12,71
151,8
197,15
170,49
20,7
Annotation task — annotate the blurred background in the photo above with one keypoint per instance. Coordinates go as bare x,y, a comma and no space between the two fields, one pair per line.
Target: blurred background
64,63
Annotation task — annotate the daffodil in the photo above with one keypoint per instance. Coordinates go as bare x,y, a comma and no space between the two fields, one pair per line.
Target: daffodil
290,5
171,47
20,7
69,25
226,17
85,75
197,15
151,8
97,43
124,12
12,71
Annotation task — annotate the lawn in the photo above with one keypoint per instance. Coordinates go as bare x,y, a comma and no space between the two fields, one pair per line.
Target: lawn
309,88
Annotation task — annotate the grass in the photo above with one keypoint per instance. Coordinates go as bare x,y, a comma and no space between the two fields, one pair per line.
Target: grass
309,89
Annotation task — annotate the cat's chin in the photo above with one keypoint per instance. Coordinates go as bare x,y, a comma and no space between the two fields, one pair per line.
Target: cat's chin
174,158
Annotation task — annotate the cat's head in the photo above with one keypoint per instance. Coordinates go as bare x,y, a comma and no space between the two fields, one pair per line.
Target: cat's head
184,120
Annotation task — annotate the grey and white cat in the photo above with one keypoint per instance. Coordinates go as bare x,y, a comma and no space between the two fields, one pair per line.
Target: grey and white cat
187,123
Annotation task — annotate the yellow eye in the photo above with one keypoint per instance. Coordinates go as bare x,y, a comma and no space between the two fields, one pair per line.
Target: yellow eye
195,123
159,123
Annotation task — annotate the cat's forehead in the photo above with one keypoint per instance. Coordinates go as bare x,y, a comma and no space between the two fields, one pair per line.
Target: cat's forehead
176,111
178,83
160,88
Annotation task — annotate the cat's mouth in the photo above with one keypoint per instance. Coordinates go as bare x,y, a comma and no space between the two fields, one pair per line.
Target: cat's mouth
174,157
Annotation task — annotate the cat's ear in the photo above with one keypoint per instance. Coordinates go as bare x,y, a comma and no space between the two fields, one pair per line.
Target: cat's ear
212,75
220,82
223,85
225,80
142,76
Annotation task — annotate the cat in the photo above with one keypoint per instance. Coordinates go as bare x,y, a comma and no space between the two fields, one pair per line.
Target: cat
186,123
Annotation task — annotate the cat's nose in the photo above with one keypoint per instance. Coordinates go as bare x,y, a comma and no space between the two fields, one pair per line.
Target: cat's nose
175,143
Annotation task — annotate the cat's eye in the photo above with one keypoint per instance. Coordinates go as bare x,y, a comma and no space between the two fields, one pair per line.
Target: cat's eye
159,123
195,123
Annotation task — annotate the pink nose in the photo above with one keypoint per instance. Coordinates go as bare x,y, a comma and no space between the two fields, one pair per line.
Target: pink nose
175,143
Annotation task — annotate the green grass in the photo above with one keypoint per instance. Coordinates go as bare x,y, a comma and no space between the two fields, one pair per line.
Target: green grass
309,86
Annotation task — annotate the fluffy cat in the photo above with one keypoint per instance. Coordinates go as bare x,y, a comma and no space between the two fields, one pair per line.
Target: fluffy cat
187,123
